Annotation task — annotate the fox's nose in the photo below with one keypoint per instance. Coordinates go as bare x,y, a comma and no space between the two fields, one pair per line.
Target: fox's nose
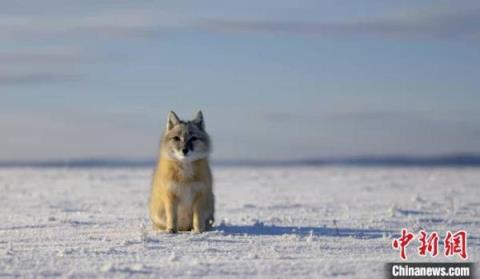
185,151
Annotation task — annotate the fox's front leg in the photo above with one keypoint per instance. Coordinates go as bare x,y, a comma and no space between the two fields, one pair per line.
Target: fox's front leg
171,213
198,213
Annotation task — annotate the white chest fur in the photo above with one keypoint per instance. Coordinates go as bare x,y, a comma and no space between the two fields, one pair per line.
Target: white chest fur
185,192
187,169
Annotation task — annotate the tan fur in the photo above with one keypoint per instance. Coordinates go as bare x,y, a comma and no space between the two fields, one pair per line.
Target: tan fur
182,197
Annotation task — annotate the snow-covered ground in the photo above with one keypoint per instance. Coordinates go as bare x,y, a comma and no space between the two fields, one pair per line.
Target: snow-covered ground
270,222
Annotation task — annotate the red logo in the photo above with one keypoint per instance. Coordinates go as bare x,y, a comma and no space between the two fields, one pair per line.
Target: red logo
428,244
403,242
454,244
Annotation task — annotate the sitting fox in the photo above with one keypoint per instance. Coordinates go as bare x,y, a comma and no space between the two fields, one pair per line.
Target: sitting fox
182,198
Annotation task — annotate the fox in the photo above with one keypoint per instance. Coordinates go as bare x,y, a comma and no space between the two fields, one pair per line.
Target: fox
181,197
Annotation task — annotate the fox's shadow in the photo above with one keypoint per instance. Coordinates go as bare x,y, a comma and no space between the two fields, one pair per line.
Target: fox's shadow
261,229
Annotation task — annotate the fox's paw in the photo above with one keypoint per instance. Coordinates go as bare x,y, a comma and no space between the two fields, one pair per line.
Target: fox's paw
198,230
156,227
171,230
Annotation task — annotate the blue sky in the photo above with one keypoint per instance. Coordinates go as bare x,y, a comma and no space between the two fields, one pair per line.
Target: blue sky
276,79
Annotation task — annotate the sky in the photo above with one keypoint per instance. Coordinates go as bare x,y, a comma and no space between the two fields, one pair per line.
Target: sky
275,80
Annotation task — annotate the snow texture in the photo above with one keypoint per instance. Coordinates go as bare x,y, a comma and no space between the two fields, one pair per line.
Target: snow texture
270,222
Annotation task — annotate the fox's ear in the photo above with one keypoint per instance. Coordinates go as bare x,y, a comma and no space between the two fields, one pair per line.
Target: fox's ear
172,120
198,120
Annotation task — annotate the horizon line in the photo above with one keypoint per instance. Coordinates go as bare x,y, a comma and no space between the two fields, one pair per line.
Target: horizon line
451,159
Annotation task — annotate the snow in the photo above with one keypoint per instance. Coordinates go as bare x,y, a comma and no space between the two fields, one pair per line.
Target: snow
270,222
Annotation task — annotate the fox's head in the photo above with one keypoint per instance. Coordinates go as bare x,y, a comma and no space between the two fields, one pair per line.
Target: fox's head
185,140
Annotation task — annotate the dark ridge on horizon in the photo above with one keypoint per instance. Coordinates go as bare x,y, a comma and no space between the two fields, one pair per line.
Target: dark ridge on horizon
452,160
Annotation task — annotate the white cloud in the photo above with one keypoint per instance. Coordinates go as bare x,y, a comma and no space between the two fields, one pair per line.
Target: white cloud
76,27
464,24
144,22
89,27
39,64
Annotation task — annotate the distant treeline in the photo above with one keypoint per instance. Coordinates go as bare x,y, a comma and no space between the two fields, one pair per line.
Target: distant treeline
454,160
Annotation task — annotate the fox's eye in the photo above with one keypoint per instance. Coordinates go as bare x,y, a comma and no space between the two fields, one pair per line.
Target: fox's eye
175,138
194,138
